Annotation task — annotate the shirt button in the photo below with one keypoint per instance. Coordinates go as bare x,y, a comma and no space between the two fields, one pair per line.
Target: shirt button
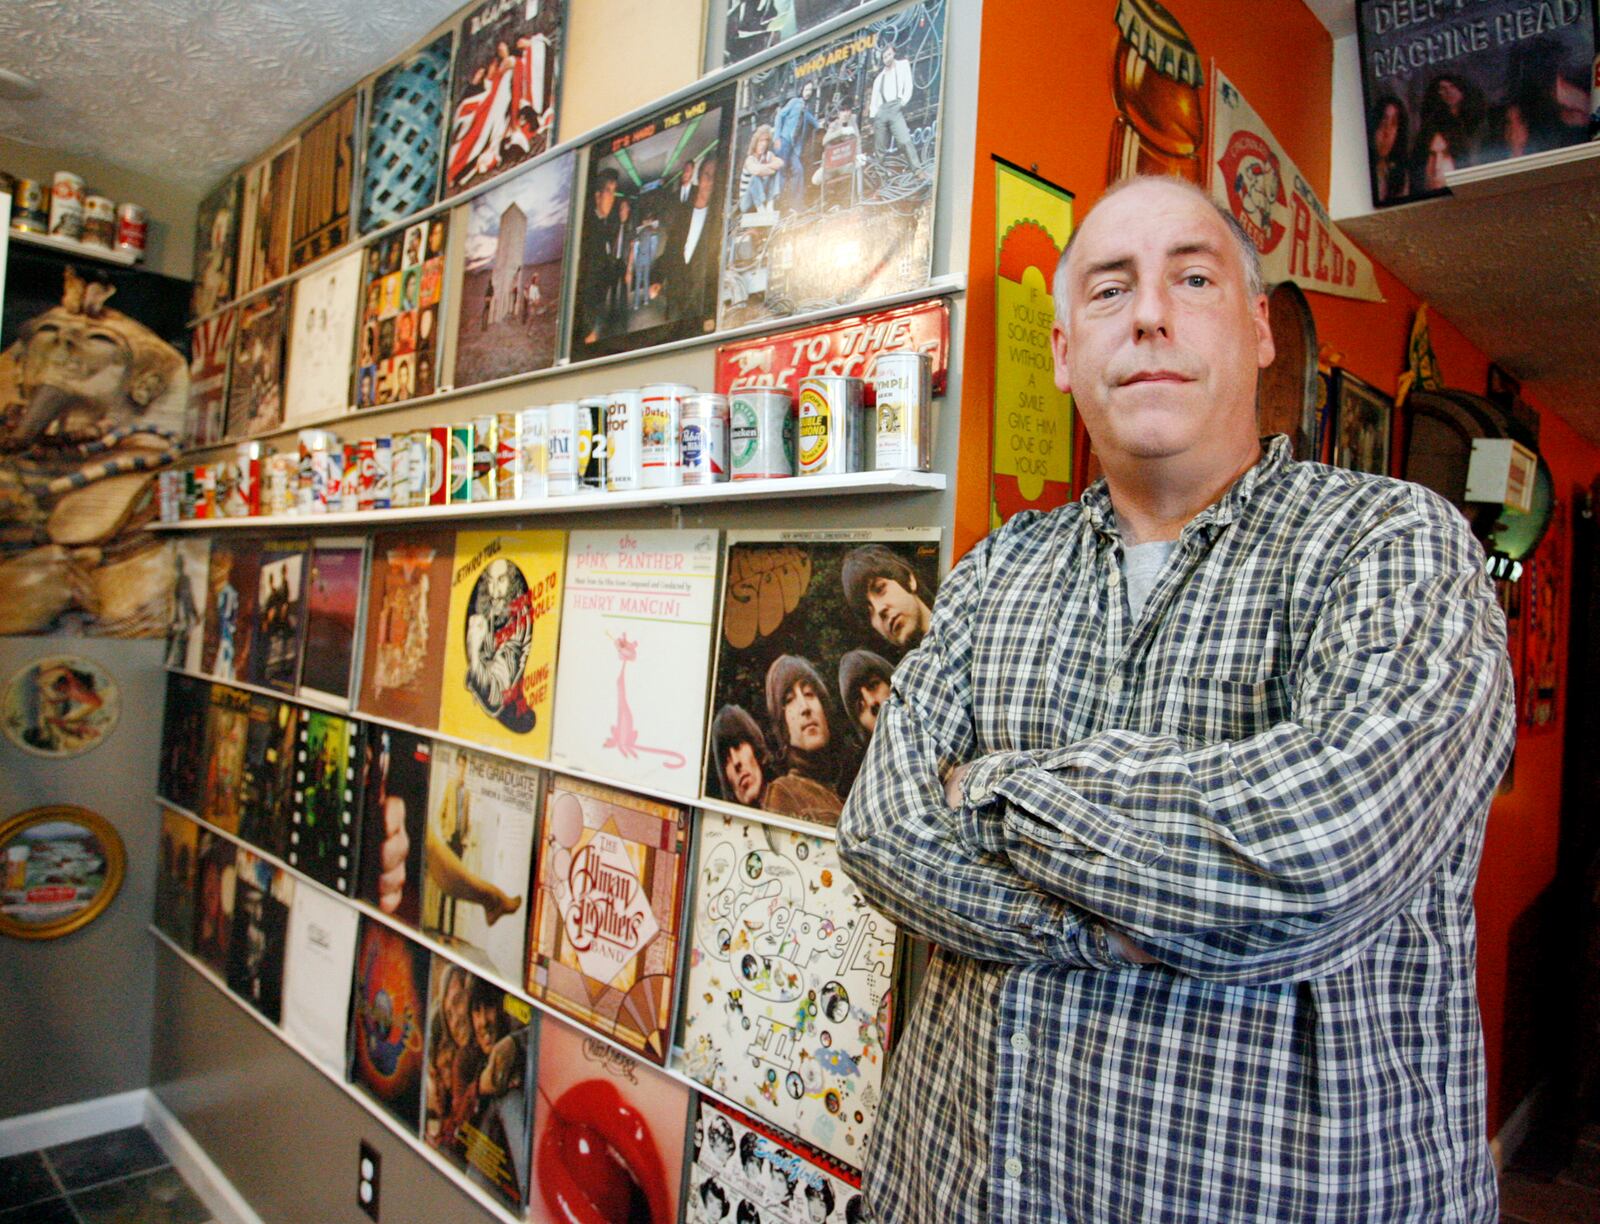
1114,684
1013,1167
1020,1042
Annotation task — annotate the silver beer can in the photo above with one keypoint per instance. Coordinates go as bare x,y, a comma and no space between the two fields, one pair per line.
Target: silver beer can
561,449
623,440
703,440
760,434
904,385
831,425
532,443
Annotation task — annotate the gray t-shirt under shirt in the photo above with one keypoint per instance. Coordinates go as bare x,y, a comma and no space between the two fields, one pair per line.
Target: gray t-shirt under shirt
1141,566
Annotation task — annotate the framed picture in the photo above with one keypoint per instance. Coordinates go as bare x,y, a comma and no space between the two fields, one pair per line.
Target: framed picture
1362,422
60,866
59,706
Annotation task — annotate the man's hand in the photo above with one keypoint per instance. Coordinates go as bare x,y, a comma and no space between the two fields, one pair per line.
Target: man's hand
952,784
392,854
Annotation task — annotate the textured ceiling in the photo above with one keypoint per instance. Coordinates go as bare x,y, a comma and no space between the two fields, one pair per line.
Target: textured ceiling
184,90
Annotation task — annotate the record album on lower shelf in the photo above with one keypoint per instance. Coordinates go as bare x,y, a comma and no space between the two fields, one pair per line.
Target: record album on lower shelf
186,628
333,613
272,741
388,1018
395,766
744,1170
213,899
227,735
323,837
280,614
183,728
407,613
319,961
230,612
259,932
175,878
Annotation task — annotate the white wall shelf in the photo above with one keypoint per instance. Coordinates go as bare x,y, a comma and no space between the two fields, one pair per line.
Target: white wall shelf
79,250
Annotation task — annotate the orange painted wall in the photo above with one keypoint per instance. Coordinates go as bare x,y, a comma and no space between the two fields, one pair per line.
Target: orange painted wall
1045,102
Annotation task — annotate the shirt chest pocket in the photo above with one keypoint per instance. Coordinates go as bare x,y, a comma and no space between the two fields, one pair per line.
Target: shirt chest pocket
1211,709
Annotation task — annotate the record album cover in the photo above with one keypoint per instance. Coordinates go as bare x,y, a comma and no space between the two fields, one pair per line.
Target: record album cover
812,625
500,646
636,624
405,135
320,959
388,1015
264,224
401,310
280,614
183,732
227,732
407,614
230,611
650,223
210,348
333,607
512,273
608,895
503,102
478,1093
322,334
750,27
186,629
216,246
272,740
257,939
324,182
593,1096
395,767
175,878
213,899
322,832
836,150
255,378
787,999
479,862
745,1170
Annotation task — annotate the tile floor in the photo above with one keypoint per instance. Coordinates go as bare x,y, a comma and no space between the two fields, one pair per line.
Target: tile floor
120,1177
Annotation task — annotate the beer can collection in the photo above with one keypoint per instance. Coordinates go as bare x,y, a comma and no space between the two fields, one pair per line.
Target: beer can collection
382,473
623,442
760,434
133,229
99,221
438,485
66,206
507,456
660,418
535,451
30,211
485,432
561,448
831,425
903,383
366,473
421,472
592,443
703,440
400,470
461,444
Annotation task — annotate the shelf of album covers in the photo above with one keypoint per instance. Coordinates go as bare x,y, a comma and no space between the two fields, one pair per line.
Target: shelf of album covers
476,968
346,710
572,144
939,287
898,480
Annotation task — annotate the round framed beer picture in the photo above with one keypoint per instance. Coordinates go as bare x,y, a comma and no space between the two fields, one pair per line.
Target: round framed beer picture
59,706
60,866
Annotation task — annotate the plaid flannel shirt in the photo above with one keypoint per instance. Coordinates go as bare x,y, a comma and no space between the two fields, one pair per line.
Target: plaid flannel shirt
1275,782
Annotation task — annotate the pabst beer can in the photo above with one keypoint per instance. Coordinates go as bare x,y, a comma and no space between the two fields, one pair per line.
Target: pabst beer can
561,446
703,440
760,434
903,383
66,206
133,228
592,443
660,417
831,431
623,473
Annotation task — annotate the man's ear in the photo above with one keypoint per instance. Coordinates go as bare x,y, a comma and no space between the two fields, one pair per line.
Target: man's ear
1266,350
1058,350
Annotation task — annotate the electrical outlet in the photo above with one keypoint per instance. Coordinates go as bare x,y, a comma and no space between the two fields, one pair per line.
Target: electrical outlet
367,1174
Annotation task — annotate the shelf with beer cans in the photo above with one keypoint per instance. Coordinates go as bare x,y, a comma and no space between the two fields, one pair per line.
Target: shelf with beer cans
852,483
82,250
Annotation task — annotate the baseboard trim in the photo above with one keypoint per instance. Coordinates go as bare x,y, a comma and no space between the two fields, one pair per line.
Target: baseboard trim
197,1168
1512,1135
65,1123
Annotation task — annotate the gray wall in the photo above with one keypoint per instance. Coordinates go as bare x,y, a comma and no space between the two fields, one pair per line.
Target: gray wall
77,1010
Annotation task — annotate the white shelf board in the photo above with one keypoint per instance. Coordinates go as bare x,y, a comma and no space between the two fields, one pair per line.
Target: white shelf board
1533,172
899,481
80,249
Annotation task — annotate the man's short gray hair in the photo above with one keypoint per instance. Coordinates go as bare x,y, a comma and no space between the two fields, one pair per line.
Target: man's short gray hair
1248,255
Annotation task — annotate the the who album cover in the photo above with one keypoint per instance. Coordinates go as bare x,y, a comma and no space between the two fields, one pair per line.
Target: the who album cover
636,624
479,1081
322,332
482,812
407,614
1448,87
333,610
210,348
608,896
272,740
836,155
512,273
216,246
395,767
405,135
745,1170
255,377
280,611
227,733
787,997
500,646
264,223
401,312
388,1019
324,182
230,611
812,626
186,626
175,878
593,1098
323,835
214,888
320,959
650,233
258,937
749,27
507,82
183,729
